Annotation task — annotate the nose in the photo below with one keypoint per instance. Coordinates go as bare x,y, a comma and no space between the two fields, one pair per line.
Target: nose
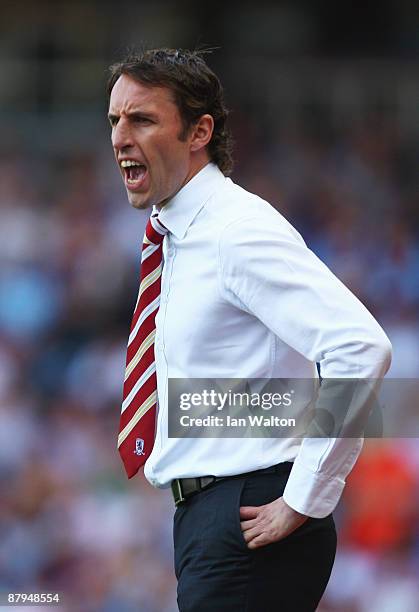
121,135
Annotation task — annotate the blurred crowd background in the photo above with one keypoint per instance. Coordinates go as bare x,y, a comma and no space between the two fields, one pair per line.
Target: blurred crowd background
325,117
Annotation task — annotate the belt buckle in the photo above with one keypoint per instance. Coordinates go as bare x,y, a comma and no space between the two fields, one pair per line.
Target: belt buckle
177,492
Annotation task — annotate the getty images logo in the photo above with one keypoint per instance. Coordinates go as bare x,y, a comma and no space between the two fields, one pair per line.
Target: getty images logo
139,447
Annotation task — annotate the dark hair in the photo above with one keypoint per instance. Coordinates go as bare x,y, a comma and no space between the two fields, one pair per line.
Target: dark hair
196,89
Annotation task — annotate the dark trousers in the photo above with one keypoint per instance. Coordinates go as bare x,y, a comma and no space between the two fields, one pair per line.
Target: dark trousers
216,571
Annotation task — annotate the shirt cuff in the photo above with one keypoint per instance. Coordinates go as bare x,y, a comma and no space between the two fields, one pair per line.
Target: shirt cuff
312,494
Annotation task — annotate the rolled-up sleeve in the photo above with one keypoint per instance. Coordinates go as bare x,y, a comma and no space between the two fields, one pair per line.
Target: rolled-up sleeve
265,263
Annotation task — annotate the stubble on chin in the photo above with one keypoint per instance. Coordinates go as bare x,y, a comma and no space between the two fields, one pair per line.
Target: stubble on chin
141,206
138,203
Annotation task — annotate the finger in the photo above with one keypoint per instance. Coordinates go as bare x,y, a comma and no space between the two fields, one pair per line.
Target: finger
258,541
251,534
249,512
245,525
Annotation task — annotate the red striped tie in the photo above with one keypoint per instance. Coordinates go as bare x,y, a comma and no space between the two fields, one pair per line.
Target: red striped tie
138,414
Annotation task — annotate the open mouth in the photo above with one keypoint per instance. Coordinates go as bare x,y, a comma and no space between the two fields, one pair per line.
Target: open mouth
134,173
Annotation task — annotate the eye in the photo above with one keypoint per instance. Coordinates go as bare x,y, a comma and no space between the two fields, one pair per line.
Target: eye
141,119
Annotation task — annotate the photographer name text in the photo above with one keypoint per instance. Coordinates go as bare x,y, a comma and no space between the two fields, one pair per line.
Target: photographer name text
229,421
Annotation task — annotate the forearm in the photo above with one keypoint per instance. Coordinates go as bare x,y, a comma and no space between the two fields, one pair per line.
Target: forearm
320,469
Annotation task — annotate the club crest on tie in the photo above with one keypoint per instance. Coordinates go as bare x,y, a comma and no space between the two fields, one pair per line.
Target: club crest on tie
139,446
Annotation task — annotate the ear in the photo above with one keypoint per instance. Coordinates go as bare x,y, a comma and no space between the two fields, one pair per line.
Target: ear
202,132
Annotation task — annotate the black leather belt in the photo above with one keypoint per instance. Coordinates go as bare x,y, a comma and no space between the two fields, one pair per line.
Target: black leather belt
184,488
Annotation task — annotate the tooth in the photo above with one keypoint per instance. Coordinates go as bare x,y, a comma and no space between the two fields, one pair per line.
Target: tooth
127,163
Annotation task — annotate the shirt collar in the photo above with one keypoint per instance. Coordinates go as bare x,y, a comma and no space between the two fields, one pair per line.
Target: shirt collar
179,212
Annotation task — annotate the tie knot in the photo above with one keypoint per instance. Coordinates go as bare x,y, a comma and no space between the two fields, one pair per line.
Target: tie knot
155,231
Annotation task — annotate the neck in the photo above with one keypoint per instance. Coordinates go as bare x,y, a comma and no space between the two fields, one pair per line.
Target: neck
196,166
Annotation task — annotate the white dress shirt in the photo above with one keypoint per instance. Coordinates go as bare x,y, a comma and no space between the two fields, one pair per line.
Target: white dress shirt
243,297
